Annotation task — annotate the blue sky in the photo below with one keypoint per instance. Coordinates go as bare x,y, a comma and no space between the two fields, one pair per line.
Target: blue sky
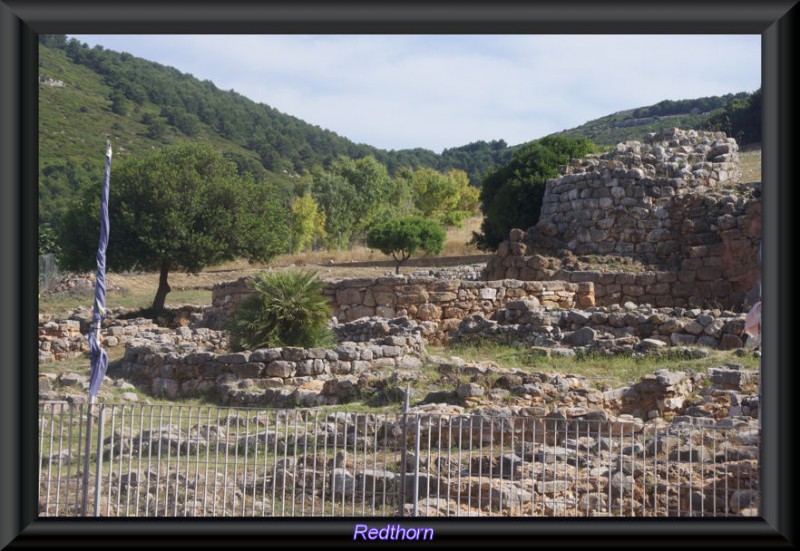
403,91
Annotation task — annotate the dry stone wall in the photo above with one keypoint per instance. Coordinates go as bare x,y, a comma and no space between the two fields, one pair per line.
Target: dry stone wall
280,377
422,299
668,203
608,330
62,339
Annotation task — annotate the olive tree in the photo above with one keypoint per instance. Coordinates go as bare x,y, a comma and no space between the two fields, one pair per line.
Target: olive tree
183,207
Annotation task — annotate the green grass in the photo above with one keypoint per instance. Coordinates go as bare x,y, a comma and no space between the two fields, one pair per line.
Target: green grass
611,371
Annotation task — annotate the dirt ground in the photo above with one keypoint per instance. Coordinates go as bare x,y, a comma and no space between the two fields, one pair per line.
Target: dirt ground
180,281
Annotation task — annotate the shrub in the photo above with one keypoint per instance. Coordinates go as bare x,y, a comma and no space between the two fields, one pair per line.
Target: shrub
512,195
286,309
401,237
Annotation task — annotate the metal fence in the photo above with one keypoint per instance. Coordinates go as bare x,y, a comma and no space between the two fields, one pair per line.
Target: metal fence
48,270
171,461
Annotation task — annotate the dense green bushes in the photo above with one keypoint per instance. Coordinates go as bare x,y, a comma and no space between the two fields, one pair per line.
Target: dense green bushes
740,119
512,195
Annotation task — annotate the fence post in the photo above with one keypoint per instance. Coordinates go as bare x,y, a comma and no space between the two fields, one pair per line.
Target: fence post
87,449
416,465
98,473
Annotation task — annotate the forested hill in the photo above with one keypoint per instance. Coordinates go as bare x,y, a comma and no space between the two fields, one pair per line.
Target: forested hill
88,95
739,115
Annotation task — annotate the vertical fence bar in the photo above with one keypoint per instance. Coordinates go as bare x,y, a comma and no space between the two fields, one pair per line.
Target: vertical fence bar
216,462
40,426
130,484
246,454
196,428
533,462
333,467
480,466
314,468
122,455
714,480
460,445
86,454
69,462
111,458
264,479
375,472
99,466
177,462
385,454
139,461
355,465
285,459
344,463
294,459
237,439
415,490
589,499
60,458
50,457
403,459
305,463
364,468
449,459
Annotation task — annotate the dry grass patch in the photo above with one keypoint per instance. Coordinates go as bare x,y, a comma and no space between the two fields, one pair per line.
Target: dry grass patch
750,163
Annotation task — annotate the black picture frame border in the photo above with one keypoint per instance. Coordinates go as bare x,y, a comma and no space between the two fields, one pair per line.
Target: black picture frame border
21,22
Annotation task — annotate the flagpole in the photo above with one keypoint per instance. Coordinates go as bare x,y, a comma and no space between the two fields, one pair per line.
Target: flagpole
98,356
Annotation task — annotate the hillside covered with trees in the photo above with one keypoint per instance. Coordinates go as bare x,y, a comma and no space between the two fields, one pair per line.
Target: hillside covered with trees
329,189
738,115
88,95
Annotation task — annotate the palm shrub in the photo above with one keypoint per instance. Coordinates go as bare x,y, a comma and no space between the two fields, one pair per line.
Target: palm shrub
285,309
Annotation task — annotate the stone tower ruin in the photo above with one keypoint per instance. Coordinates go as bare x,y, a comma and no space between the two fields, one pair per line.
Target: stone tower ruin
671,204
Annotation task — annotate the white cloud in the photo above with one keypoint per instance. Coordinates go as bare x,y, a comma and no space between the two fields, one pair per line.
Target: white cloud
398,91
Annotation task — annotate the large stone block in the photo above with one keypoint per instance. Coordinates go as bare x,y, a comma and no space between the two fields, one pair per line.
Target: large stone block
280,368
355,312
349,296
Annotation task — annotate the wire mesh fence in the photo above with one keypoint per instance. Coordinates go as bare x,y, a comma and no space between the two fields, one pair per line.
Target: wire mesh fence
173,461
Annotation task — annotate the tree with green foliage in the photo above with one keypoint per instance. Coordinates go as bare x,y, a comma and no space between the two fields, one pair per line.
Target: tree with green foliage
118,103
740,119
371,183
59,181
446,197
338,201
285,309
306,222
48,240
511,196
183,207
351,194
157,128
402,237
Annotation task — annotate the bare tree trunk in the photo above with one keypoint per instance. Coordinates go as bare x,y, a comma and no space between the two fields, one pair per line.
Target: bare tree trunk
399,261
163,287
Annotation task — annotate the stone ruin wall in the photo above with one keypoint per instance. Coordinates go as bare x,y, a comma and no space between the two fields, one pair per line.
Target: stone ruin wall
280,377
668,203
422,299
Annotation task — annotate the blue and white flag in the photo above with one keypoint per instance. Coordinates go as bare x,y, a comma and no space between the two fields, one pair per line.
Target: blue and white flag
98,356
